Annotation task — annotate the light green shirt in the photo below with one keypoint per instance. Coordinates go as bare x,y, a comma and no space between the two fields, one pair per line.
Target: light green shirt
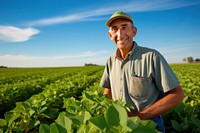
139,78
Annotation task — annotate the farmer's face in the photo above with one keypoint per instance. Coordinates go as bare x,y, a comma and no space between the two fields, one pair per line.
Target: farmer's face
121,33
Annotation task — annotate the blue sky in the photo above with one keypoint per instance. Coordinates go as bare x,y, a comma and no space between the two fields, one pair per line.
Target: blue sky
51,33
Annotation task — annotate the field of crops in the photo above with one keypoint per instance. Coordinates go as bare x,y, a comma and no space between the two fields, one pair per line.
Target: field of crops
69,99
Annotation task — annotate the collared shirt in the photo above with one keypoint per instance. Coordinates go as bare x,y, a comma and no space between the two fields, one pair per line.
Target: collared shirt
139,78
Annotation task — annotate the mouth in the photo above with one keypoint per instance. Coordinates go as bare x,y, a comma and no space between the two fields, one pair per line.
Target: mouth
124,40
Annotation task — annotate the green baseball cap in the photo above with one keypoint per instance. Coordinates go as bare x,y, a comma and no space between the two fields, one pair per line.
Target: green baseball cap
117,15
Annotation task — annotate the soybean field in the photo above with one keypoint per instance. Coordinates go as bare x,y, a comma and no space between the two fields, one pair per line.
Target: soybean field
70,100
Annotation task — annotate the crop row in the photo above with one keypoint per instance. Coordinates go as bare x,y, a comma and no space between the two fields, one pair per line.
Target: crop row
186,116
75,103
13,75
91,113
24,87
45,106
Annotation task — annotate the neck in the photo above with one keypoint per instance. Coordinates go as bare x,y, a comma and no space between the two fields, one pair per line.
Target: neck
124,52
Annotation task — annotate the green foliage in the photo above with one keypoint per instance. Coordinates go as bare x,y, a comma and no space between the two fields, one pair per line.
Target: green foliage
185,117
44,107
113,117
71,100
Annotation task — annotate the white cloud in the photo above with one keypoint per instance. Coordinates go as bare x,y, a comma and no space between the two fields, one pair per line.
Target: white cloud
134,6
79,59
176,54
171,50
15,34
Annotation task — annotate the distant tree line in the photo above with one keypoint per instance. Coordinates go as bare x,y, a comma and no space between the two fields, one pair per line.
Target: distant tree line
90,64
3,67
191,60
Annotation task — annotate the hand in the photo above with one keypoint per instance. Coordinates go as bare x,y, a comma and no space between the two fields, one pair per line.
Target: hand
141,115
131,114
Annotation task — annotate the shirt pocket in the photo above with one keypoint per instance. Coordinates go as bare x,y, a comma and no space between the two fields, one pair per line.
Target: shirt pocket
138,86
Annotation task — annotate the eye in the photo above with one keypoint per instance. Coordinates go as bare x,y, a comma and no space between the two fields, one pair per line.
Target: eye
125,27
114,29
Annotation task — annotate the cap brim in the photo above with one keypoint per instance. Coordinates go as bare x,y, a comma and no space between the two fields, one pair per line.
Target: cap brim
117,17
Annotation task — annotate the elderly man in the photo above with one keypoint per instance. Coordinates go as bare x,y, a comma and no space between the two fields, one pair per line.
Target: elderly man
138,75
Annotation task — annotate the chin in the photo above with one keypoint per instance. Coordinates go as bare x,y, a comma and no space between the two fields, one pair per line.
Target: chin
121,47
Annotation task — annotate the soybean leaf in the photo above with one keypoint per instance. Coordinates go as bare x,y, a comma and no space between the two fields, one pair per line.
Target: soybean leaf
85,116
176,125
64,121
44,128
10,117
179,108
116,115
2,122
195,121
112,116
99,122
144,130
56,128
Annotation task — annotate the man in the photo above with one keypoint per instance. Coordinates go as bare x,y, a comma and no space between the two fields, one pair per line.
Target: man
137,75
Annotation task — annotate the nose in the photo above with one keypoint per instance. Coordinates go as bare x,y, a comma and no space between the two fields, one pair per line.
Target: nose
119,34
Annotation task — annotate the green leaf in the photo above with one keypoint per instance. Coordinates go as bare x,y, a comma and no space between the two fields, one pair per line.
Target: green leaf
99,122
64,121
43,103
135,123
88,129
10,117
195,121
43,109
176,125
116,115
2,122
112,116
144,130
31,112
26,104
179,108
56,128
123,116
131,123
33,123
44,128
85,116
89,97
19,106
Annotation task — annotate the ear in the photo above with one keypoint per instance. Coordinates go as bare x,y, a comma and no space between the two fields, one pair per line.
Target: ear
109,34
134,31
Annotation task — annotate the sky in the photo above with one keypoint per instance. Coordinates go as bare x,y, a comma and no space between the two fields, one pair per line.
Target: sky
57,33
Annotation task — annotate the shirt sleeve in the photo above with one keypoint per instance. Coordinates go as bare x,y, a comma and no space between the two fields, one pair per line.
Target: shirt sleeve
165,78
105,80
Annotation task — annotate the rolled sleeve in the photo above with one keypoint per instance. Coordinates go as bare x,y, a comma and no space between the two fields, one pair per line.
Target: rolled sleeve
164,76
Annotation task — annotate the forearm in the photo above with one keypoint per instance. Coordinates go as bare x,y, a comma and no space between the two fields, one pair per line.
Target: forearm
170,100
